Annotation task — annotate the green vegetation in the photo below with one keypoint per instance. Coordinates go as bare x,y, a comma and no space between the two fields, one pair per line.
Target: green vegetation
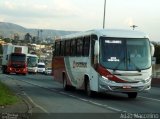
1,49
157,52
7,97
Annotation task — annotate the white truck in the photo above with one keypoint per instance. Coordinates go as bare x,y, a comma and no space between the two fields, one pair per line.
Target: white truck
14,59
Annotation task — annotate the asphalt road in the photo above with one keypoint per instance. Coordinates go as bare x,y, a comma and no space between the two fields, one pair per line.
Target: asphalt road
48,97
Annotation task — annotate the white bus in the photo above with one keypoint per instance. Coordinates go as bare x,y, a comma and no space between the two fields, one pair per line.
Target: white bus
102,60
32,61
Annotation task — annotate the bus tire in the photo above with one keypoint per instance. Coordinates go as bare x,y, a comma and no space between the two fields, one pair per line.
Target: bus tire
132,95
88,89
4,69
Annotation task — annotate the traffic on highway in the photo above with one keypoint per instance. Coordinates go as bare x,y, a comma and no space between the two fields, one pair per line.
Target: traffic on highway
87,76
46,96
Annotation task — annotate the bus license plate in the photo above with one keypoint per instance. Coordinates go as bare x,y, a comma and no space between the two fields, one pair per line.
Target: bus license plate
127,87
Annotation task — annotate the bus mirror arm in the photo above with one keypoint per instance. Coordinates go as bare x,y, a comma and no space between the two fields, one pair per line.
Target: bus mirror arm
96,48
95,66
96,52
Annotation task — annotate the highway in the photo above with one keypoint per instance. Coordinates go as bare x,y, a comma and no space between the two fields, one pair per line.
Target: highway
47,96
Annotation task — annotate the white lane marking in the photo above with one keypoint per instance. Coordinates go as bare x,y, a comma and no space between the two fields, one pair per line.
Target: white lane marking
82,99
149,98
36,105
92,102
85,100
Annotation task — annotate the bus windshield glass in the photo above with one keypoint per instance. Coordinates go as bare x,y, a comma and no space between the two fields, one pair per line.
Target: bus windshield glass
129,54
32,61
19,57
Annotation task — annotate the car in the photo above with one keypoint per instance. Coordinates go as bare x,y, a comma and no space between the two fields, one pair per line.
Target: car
48,71
41,67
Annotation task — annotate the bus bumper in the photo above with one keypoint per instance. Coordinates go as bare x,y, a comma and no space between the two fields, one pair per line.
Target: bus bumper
17,70
32,70
107,85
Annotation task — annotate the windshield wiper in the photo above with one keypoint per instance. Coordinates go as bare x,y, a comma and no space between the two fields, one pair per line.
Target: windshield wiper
137,68
115,68
130,61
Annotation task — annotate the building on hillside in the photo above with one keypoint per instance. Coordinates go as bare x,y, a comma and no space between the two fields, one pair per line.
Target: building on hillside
2,42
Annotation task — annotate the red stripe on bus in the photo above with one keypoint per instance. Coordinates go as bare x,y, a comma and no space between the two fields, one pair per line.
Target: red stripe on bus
104,72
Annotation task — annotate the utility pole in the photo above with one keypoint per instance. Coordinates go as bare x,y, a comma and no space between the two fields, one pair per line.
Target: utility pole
38,35
41,34
104,16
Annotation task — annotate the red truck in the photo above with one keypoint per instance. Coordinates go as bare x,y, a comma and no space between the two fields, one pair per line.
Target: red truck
14,59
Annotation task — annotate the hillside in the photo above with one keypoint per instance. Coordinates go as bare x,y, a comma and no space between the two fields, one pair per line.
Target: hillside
9,29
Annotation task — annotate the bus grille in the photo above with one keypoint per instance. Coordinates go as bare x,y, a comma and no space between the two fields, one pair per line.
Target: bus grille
18,65
121,89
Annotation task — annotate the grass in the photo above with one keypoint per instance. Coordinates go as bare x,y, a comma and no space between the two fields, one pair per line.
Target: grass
7,97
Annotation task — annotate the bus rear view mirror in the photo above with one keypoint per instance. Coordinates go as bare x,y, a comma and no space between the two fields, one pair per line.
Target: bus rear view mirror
152,49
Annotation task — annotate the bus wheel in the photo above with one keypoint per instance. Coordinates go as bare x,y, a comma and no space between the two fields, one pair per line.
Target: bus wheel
65,86
3,71
88,89
132,95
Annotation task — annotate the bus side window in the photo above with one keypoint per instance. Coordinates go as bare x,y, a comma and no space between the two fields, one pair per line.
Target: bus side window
79,46
57,48
67,48
73,47
86,46
92,52
62,48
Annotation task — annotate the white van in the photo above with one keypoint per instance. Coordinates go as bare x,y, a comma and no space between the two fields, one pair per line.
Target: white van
41,67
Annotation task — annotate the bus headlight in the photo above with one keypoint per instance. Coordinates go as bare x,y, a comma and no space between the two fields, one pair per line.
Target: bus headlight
106,80
148,80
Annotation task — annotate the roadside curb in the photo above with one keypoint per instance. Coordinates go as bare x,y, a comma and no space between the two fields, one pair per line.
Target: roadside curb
20,110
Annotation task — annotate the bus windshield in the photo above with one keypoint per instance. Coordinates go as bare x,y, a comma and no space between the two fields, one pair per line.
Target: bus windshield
129,54
32,61
18,57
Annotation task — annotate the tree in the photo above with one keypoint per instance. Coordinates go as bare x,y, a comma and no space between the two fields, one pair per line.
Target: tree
1,37
1,49
28,38
14,41
34,39
7,40
16,36
157,53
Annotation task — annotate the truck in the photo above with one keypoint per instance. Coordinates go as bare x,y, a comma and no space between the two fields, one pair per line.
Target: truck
14,59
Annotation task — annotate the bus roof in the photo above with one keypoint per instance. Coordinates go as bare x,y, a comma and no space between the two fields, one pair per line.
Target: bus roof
32,55
120,33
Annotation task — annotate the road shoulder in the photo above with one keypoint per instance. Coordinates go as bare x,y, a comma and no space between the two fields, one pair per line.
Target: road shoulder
20,109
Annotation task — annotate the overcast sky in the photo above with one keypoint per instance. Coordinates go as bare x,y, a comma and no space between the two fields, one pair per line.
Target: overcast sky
83,15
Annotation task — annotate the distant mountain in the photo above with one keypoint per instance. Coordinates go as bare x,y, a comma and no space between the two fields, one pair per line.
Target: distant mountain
9,29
